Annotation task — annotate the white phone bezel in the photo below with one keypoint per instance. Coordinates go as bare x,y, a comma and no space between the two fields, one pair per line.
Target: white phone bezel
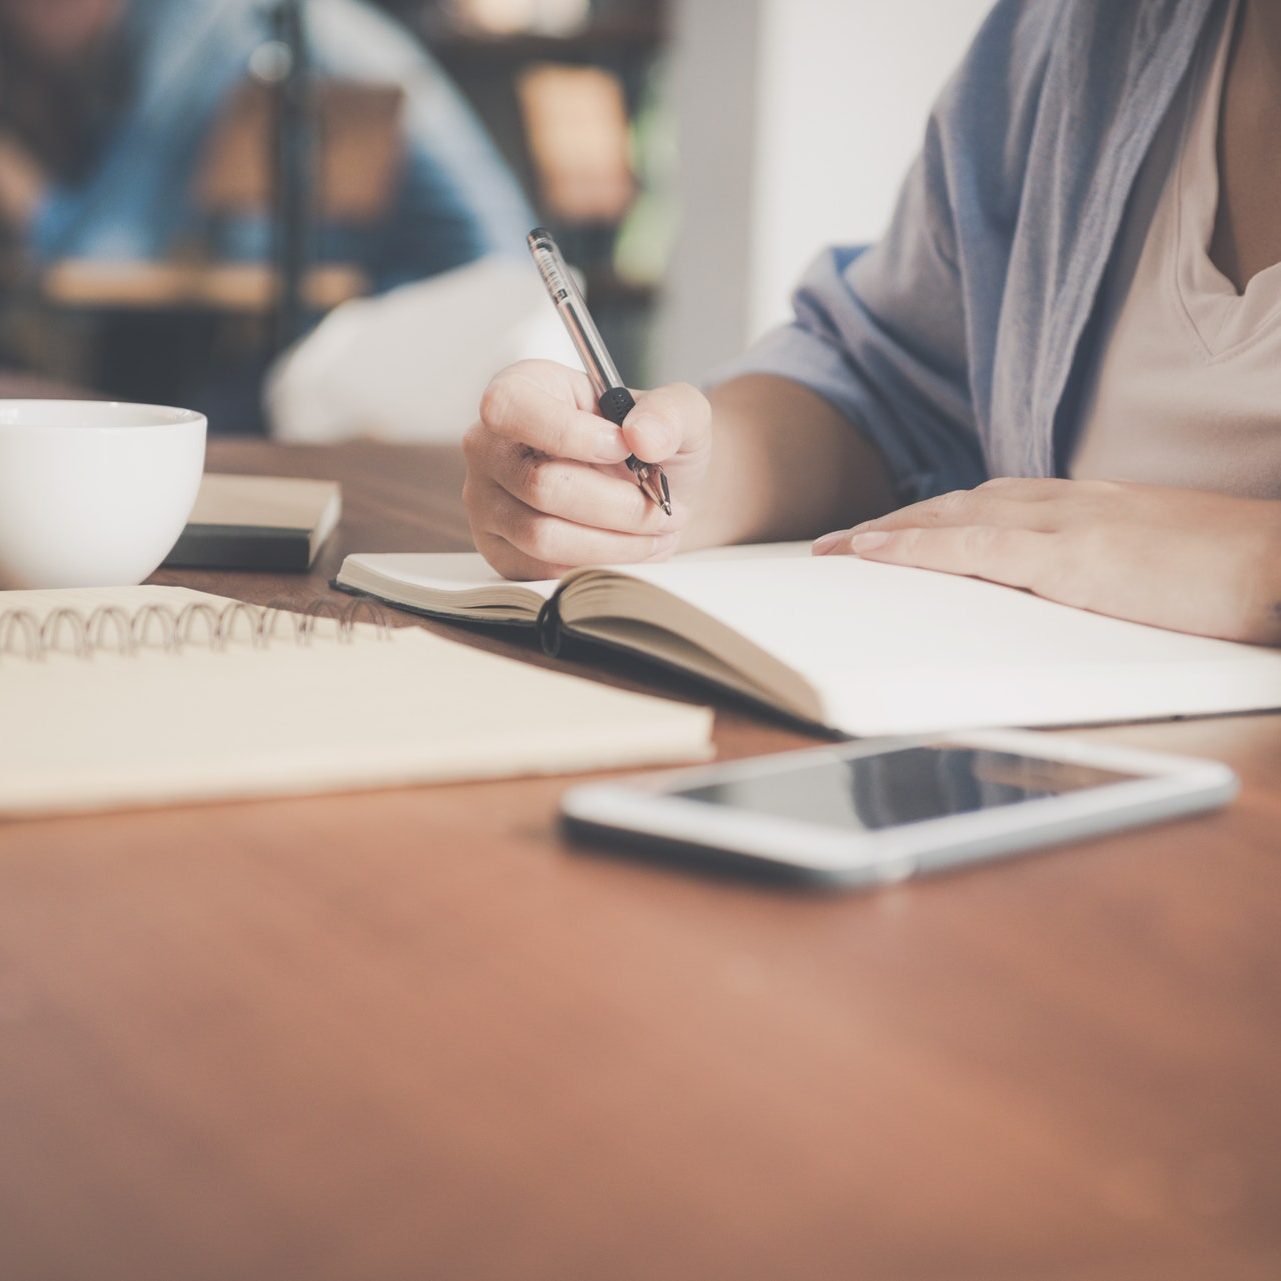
1166,786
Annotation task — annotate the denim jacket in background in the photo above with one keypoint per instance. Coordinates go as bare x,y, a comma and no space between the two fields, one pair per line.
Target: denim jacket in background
955,342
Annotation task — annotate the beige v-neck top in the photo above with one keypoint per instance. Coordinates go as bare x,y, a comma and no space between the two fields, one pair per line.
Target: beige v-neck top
1187,381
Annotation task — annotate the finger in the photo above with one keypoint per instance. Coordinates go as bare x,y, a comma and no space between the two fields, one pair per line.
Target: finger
667,421
579,492
511,563
551,540
518,408
1069,494
1016,557
981,506
1031,489
571,385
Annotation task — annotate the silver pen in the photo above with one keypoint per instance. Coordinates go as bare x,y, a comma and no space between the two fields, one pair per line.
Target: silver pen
613,400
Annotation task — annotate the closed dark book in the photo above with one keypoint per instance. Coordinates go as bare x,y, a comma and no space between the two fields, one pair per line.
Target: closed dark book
257,522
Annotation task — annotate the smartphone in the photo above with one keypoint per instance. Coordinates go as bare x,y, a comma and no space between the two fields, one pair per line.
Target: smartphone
876,811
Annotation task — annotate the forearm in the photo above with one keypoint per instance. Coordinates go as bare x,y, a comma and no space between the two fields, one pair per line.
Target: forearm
785,465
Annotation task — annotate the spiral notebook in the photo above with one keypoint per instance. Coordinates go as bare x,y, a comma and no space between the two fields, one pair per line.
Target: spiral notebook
119,698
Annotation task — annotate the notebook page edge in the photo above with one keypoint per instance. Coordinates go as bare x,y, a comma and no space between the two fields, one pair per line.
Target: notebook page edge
402,578
668,628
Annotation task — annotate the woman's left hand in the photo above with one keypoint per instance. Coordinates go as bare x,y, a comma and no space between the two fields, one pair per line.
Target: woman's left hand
1178,558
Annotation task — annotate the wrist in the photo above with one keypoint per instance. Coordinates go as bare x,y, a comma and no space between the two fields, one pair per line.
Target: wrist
1264,624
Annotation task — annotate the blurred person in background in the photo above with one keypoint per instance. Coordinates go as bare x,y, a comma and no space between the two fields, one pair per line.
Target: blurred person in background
107,108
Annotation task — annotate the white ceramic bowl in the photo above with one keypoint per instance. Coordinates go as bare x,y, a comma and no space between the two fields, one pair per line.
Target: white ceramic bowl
93,493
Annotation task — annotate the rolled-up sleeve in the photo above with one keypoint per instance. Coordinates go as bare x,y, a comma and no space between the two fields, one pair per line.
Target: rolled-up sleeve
901,337
880,334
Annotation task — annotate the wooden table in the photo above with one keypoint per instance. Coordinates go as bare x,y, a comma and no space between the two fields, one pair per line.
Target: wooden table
412,1034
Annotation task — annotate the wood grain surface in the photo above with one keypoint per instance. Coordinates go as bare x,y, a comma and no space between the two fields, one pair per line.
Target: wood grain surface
412,1034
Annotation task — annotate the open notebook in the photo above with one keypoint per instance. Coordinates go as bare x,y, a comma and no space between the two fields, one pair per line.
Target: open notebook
860,647
112,698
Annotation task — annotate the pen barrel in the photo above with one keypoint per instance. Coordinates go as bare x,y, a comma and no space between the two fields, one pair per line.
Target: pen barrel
614,401
568,300
589,344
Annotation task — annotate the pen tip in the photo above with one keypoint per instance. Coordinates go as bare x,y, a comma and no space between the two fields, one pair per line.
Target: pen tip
667,509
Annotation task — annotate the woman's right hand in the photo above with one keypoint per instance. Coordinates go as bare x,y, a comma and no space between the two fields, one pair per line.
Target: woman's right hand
547,488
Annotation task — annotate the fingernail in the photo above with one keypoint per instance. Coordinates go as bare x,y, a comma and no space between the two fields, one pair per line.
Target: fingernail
829,542
610,446
868,542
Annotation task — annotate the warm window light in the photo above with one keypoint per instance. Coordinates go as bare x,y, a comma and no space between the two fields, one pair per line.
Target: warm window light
508,17
576,119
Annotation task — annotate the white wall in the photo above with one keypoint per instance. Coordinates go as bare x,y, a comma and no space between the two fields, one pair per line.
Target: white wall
797,121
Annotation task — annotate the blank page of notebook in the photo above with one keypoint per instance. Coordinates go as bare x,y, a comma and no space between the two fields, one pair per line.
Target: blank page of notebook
897,650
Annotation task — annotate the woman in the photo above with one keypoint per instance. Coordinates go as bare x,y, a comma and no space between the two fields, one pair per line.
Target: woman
1060,369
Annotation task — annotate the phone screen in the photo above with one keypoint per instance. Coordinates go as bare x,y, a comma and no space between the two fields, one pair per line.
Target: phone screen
907,785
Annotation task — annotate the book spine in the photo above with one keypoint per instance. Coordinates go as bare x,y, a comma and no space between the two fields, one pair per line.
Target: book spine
241,547
549,628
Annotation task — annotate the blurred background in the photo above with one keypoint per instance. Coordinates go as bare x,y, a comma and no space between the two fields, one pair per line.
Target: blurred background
306,217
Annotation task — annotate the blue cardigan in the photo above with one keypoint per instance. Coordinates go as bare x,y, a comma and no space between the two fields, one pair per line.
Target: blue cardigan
955,343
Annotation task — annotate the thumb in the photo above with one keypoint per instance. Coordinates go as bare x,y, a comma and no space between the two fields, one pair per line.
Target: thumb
670,420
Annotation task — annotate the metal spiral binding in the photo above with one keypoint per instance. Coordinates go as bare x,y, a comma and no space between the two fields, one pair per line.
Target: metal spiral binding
111,629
